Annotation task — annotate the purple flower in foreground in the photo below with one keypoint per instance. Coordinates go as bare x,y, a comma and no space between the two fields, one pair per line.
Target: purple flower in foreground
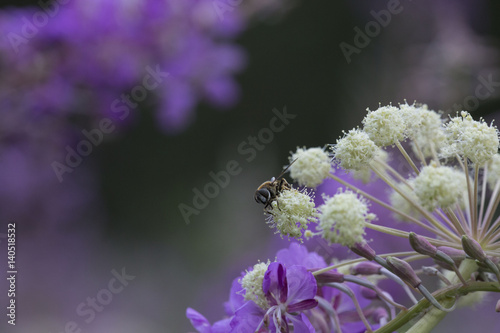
288,293
202,325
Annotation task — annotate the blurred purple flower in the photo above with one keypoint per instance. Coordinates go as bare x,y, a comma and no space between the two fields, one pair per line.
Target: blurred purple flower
91,50
202,325
95,60
297,254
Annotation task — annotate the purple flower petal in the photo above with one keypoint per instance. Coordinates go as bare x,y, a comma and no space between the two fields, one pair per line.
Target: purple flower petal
301,324
301,284
247,318
297,254
354,327
302,305
236,300
275,285
222,326
199,322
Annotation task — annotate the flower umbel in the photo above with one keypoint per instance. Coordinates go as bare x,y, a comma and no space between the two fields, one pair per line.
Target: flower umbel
444,196
252,283
343,217
311,166
292,212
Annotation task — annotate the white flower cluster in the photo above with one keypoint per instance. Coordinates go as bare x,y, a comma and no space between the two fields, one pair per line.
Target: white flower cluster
355,150
385,126
310,166
291,213
342,218
471,139
252,284
439,186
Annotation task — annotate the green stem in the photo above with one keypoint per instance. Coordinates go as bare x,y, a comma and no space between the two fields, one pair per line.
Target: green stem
446,296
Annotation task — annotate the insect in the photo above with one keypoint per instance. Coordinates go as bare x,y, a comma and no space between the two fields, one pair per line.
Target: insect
267,192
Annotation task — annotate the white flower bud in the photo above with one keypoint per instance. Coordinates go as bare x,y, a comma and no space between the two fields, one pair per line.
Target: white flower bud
342,218
311,166
423,127
292,211
385,126
355,150
252,283
439,186
471,139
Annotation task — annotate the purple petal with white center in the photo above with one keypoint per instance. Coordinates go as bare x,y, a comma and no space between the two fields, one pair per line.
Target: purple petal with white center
301,284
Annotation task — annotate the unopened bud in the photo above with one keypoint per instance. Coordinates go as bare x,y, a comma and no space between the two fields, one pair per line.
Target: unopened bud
329,277
497,308
364,250
366,268
402,269
473,249
455,254
422,245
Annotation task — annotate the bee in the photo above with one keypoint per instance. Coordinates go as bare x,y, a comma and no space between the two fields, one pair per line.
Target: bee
267,192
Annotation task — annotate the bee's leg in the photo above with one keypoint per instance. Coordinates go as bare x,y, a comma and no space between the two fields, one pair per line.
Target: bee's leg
268,211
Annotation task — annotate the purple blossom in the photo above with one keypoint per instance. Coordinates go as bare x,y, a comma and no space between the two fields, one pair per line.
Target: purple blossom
292,297
288,292
298,254
82,67
202,325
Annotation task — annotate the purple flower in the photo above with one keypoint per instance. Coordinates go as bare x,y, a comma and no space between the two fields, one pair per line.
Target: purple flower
288,293
297,254
236,299
202,325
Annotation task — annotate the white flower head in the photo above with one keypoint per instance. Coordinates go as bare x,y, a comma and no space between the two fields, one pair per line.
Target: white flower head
355,150
291,213
311,166
424,127
252,283
342,218
471,139
439,186
385,126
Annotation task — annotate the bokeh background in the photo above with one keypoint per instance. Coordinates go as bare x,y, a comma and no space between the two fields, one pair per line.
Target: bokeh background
230,64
